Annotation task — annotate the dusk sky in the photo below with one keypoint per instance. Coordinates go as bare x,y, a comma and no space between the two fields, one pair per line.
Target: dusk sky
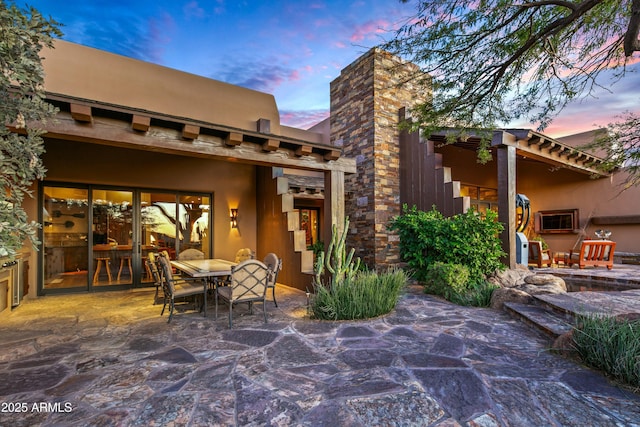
291,49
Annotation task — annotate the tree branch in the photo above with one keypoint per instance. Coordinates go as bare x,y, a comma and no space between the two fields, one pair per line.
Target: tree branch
631,37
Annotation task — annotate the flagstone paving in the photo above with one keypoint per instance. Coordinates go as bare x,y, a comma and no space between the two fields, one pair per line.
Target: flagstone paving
109,359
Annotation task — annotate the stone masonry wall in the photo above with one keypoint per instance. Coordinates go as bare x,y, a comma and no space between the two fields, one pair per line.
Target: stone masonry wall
365,100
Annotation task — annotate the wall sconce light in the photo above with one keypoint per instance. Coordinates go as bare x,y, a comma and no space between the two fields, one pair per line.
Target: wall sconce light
234,218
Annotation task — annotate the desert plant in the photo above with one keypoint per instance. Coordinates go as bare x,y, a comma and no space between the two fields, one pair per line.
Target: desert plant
363,296
610,344
336,260
347,291
478,295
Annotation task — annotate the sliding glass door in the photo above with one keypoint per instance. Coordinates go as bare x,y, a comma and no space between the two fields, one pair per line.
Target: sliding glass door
112,237
98,237
175,222
65,237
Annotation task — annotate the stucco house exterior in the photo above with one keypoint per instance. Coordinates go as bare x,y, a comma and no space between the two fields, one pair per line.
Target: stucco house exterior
143,157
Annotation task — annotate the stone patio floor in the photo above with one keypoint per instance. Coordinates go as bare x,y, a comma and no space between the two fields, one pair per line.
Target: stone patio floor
109,359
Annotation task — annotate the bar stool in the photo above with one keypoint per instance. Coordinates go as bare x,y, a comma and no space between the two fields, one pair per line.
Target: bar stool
146,268
99,262
127,259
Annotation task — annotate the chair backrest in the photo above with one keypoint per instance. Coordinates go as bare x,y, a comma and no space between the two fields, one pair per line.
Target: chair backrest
275,265
188,254
600,250
535,249
152,263
168,282
249,280
244,254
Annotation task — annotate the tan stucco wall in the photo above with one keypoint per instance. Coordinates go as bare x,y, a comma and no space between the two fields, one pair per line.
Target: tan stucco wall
232,184
550,188
562,189
96,75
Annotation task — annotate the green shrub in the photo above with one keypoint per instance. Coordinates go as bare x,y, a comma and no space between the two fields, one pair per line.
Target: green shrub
366,295
611,345
446,279
451,281
470,239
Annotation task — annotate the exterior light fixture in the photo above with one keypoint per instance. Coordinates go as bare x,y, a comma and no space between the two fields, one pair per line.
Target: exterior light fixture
234,218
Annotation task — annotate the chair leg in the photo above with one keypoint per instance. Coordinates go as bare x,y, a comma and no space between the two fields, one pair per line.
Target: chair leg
264,309
273,293
230,315
204,303
171,307
164,304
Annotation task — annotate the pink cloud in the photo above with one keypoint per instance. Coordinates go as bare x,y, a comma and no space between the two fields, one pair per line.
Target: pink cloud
368,29
303,119
295,75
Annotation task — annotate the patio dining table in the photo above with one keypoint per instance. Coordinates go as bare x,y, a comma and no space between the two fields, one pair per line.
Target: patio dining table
205,268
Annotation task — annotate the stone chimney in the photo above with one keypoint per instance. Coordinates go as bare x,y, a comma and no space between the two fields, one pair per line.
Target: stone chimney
365,100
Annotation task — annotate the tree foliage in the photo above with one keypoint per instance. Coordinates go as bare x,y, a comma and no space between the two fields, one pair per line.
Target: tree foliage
23,110
621,145
495,61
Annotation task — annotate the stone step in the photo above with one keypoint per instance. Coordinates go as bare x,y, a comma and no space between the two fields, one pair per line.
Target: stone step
550,323
567,304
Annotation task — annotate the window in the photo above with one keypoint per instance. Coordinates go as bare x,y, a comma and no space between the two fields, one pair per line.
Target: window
482,198
558,221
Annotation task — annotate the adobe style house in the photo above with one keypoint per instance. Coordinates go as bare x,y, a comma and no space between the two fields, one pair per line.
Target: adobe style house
144,158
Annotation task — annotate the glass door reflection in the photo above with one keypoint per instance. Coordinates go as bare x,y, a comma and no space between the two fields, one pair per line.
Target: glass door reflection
194,224
65,237
112,232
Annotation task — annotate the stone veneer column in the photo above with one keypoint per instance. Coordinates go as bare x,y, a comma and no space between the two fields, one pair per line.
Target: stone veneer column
365,100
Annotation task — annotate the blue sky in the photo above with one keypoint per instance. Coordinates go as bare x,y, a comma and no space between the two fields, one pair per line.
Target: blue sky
291,49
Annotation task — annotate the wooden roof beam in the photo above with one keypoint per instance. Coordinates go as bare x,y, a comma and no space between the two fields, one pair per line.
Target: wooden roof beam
271,145
190,131
534,140
80,113
233,139
332,155
140,123
304,150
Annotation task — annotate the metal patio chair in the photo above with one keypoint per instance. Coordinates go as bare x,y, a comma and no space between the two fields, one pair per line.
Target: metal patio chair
248,283
179,288
275,265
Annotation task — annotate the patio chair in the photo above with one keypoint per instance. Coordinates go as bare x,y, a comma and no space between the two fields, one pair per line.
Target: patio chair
275,265
189,254
152,266
244,254
538,256
248,284
593,253
179,287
